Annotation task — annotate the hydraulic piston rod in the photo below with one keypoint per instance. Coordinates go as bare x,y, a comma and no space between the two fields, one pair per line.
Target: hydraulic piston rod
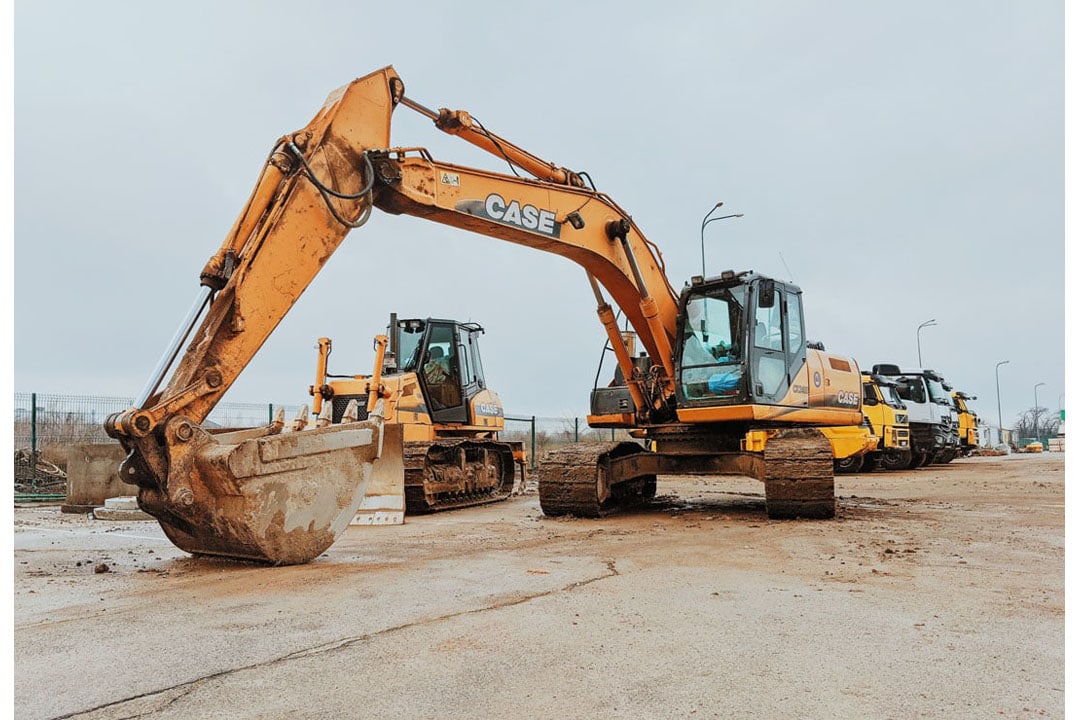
181,336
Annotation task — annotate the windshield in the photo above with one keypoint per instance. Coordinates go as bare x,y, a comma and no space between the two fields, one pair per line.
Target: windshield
912,390
711,352
409,339
938,393
892,398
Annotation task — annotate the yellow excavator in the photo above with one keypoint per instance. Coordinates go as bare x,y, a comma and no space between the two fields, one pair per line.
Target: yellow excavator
431,377
726,384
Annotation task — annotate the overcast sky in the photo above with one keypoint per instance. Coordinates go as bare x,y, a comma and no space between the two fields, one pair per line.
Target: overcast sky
899,161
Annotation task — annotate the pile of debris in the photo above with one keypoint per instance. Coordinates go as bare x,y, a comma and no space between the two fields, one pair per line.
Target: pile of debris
35,476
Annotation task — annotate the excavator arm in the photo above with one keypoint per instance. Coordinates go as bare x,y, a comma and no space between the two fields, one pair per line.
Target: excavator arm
310,194
262,494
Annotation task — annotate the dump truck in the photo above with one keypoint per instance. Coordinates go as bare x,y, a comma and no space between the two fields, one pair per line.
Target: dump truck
968,422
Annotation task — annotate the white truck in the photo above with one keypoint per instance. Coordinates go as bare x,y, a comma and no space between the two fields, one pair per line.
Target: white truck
934,426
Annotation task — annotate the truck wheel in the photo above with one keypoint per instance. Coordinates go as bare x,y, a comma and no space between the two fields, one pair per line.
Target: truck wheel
851,464
896,460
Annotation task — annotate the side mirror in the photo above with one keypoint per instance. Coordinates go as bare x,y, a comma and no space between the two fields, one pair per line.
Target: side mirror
766,294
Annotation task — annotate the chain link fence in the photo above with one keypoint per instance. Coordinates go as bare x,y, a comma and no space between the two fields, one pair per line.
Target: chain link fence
47,425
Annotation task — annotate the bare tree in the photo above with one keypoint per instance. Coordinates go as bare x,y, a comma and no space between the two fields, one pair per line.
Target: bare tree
1048,423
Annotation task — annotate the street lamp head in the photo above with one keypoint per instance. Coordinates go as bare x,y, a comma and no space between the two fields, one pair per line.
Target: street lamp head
918,340
705,221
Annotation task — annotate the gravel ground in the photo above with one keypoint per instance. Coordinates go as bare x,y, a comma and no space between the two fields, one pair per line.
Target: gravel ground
937,593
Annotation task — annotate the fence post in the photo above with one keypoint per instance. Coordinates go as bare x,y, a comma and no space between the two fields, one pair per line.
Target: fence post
33,438
575,430
532,453
270,415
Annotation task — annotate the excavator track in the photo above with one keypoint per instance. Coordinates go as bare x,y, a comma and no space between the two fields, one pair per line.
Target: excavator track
798,478
572,481
451,474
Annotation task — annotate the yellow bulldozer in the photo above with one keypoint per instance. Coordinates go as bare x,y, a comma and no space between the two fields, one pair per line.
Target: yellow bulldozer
431,378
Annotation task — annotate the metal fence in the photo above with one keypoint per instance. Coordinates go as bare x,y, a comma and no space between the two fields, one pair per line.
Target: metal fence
43,420
542,433
46,424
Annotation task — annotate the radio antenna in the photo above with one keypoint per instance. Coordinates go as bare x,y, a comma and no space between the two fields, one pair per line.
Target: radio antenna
791,277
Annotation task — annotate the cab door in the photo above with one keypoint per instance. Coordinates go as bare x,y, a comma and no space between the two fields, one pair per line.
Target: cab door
440,374
771,363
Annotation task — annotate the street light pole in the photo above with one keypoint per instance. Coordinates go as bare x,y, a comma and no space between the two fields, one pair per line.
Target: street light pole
705,221
997,383
918,341
1036,421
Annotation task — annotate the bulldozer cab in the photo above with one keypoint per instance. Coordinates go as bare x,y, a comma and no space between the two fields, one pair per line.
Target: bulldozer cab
741,340
445,355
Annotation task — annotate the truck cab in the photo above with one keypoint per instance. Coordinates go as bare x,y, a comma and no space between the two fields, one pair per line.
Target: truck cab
887,415
929,412
968,422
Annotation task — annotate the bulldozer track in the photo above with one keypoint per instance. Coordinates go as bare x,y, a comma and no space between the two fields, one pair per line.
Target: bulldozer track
450,474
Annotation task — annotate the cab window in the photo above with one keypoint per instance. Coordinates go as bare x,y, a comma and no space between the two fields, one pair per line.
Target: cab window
870,394
795,328
710,355
768,332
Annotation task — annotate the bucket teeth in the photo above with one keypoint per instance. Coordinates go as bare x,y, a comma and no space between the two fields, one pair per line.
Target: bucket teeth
301,420
279,421
352,412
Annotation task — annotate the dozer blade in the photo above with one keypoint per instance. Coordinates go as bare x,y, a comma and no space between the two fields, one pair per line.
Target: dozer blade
384,503
257,495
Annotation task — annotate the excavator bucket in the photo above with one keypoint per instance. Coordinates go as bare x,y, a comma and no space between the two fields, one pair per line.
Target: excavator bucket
260,494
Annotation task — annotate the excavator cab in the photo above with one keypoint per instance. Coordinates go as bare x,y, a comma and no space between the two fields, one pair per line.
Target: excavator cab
741,341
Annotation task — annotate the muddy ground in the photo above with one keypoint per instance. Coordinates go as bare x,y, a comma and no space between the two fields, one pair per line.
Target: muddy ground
937,593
